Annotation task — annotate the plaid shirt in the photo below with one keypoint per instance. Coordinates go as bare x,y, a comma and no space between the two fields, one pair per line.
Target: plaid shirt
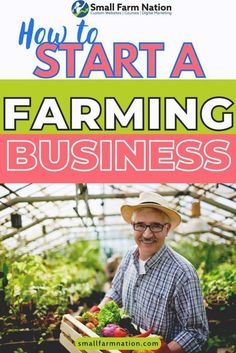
167,297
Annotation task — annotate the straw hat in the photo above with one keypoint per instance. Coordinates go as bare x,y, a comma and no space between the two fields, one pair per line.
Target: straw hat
151,200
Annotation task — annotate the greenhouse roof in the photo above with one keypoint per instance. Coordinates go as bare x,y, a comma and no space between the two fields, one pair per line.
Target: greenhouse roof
56,214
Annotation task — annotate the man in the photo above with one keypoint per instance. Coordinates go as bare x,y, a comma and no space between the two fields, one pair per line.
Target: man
156,286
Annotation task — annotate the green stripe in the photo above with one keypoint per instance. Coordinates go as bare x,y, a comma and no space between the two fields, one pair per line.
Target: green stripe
124,91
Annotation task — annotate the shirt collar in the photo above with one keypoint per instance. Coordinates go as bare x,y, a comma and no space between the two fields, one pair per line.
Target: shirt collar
154,259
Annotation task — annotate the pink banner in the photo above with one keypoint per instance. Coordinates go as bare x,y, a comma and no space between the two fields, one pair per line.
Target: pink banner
118,158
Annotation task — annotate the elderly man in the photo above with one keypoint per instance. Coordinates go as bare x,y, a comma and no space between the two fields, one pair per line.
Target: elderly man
156,286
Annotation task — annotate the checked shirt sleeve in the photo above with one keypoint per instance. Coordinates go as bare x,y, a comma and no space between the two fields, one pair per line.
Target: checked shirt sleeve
192,316
115,292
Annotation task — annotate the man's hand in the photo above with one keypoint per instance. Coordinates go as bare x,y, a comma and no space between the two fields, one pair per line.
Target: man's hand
163,349
175,347
172,347
104,301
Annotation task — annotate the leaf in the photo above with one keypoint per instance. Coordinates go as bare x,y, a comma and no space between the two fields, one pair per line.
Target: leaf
5,268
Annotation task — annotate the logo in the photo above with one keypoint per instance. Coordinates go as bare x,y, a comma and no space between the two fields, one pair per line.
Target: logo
80,8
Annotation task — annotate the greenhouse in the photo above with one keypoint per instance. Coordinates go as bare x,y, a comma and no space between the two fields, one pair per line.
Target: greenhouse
61,245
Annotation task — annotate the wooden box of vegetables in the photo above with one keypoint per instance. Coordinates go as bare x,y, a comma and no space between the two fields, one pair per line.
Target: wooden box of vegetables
107,322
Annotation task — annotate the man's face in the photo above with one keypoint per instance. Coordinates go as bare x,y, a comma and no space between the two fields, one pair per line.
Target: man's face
150,242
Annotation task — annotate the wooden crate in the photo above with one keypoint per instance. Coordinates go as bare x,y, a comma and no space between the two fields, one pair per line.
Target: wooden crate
71,329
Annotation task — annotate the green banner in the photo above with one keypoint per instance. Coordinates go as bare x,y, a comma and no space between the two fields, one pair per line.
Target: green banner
117,106
118,343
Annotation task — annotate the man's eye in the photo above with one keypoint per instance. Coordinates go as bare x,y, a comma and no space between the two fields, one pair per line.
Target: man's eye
140,226
156,225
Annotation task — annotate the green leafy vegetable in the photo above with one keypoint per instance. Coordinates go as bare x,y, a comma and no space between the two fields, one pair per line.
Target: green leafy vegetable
219,285
109,314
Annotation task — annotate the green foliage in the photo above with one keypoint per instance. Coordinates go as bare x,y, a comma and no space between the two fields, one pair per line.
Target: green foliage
78,267
31,282
219,284
23,276
19,350
219,342
201,253
84,254
55,280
